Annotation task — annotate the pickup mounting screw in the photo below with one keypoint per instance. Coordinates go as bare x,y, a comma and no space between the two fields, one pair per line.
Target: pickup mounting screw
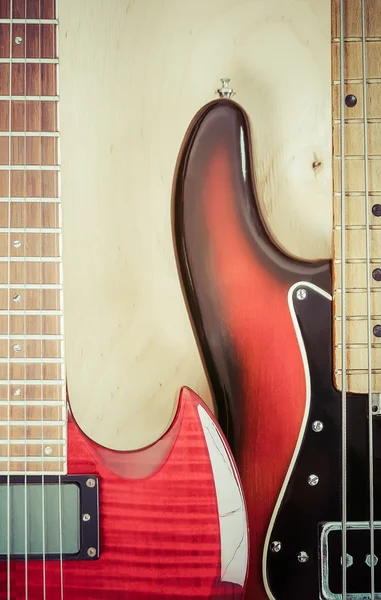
90,482
349,560
368,560
313,480
303,557
86,517
317,426
91,552
276,547
301,294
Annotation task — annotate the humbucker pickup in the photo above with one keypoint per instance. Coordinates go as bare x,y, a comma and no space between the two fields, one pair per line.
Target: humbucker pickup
51,517
358,560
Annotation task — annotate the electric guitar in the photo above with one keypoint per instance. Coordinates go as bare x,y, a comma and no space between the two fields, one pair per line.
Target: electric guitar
301,415
79,521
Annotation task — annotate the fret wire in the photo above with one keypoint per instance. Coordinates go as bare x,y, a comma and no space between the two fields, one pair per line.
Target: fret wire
31,442
29,134
33,459
36,423
357,80
30,230
51,403
29,61
29,99
30,167
32,361
58,382
29,21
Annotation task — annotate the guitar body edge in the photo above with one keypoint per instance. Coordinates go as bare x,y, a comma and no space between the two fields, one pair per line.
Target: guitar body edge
236,285
169,527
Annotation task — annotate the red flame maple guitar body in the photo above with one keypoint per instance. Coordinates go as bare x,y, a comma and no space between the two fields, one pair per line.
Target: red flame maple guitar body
171,521
236,283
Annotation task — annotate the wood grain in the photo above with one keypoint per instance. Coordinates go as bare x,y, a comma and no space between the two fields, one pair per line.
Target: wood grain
147,68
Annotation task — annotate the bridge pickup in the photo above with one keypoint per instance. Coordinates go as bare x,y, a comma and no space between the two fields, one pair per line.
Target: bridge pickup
358,561
52,517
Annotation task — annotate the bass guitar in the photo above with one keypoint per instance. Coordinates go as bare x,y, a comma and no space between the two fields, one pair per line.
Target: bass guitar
292,349
79,521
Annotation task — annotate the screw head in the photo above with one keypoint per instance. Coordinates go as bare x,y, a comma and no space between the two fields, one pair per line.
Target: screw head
90,482
301,294
91,552
18,40
349,560
317,426
368,560
275,546
303,557
85,517
313,480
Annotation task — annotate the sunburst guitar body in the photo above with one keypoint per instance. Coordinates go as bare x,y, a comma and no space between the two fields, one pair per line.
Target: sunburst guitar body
269,336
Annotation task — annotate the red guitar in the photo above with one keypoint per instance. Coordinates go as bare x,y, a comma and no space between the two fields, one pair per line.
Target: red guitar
271,331
78,521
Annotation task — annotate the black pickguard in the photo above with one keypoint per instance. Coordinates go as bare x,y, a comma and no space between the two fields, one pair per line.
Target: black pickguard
305,508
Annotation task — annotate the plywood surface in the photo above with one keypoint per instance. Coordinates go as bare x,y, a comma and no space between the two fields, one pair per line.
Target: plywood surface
133,73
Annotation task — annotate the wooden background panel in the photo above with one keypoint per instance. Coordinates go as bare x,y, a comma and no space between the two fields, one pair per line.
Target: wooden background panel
133,73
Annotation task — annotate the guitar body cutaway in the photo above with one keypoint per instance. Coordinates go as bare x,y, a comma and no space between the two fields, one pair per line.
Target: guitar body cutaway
172,520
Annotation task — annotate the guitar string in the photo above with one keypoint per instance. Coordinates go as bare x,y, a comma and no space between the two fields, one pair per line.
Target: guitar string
8,304
343,318
41,316
368,305
24,299
59,294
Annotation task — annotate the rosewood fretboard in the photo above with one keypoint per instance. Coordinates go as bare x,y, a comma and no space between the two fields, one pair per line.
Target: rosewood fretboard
32,389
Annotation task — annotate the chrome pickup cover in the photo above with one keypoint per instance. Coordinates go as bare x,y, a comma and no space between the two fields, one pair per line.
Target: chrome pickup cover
352,526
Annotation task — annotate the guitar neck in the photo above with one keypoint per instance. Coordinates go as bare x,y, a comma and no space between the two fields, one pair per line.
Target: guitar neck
32,388
360,159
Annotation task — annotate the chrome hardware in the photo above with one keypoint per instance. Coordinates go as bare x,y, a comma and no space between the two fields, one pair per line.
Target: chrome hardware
17,347
91,552
301,294
368,560
313,480
324,543
18,40
349,560
16,298
225,91
303,557
90,482
317,426
275,547
17,244
376,404
86,517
